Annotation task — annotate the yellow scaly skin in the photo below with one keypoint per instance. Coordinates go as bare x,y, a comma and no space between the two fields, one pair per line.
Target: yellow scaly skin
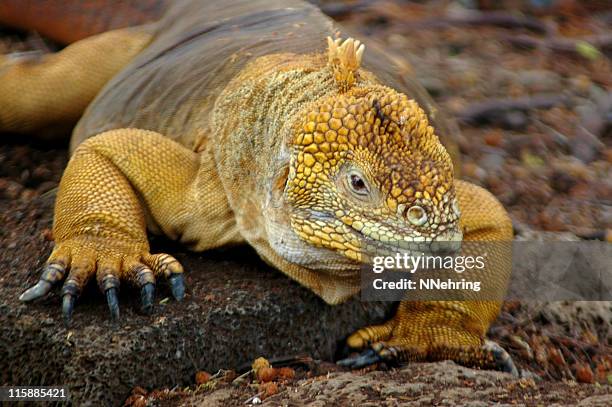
28,83
346,161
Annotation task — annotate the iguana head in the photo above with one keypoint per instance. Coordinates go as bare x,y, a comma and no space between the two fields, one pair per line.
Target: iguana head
367,173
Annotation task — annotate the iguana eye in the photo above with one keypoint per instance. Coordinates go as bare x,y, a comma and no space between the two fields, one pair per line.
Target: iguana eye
416,215
357,184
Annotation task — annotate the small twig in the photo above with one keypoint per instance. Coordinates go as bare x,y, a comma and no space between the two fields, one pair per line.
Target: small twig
242,376
218,374
276,395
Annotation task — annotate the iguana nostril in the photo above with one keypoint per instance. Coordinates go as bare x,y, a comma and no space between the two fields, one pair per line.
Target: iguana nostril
416,215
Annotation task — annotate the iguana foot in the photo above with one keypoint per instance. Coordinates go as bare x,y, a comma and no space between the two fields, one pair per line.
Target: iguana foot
386,343
84,257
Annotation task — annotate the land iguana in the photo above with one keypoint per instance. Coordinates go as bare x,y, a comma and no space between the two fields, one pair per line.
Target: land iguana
247,121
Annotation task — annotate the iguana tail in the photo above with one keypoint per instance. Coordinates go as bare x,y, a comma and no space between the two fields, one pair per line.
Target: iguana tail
46,95
67,21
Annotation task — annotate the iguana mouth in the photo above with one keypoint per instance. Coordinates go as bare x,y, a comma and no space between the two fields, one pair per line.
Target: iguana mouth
445,243
420,246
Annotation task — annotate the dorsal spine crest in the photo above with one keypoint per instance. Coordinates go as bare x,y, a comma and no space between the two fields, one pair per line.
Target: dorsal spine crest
344,58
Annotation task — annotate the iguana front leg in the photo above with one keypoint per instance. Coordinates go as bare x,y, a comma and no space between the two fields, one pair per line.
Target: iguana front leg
112,181
455,330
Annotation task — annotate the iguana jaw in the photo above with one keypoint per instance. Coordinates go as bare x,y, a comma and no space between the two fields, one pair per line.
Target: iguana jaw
378,239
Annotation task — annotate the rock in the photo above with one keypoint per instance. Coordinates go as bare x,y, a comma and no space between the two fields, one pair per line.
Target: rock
580,314
584,374
253,311
539,80
603,400
594,120
494,138
527,234
493,159
202,377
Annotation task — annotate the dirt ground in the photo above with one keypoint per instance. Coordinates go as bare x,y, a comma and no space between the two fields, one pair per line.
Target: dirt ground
422,384
531,88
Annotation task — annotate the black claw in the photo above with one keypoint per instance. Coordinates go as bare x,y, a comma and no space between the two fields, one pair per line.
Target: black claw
509,367
38,290
366,358
502,359
51,274
177,286
348,362
147,293
113,303
67,308
70,291
343,351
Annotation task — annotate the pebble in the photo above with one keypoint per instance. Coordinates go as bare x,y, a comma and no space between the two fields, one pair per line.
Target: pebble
584,374
473,171
493,157
513,120
540,80
494,138
202,377
585,145
10,189
581,84
562,182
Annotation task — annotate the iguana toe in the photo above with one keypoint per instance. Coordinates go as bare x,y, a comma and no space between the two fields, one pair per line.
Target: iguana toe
365,358
408,338
113,303
68,307
501,359
52,273
110,262
488,356
40,289
177,286
147,295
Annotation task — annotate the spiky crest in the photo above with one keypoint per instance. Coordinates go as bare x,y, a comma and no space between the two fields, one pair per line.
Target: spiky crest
344,58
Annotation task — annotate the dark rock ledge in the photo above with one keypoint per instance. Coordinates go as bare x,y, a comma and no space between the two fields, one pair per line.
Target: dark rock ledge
236,309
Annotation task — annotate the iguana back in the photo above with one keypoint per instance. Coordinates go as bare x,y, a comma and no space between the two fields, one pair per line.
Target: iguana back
198,47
